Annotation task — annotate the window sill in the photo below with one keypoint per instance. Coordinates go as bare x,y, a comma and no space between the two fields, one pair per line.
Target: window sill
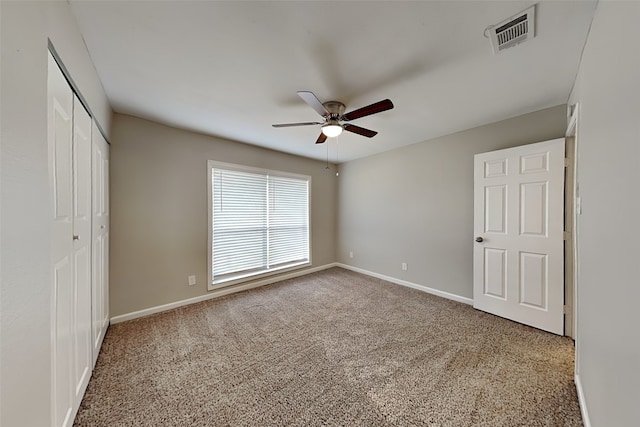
247,277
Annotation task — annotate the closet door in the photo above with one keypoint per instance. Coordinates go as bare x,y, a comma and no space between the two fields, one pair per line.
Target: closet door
69,145
100,240
60,127
81,248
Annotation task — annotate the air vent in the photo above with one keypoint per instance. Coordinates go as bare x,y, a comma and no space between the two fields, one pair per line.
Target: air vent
513,31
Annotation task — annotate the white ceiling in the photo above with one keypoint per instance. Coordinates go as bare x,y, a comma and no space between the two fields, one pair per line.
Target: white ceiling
231,69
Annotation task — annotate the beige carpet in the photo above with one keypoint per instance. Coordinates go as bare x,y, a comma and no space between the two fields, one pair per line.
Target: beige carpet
331,348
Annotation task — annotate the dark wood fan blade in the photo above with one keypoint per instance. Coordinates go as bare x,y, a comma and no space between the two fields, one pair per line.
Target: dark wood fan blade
322,138
360,131
314,102
378,107
286,125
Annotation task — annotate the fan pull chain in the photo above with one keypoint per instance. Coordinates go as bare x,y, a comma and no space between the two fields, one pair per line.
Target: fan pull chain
337,172
327,167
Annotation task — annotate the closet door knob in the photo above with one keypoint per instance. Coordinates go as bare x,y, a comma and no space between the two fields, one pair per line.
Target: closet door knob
479,239
76,237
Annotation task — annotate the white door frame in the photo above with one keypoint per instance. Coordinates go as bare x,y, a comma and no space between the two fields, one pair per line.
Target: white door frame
570,227
573,281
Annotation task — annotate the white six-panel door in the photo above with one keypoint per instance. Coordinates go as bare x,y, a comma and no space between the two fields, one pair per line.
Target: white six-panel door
60,131
100,239
81,247
70,177
518,259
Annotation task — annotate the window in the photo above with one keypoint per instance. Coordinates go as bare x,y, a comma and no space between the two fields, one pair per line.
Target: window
258,222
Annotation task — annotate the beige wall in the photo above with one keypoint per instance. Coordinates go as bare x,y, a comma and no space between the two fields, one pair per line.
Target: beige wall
159,210
608,141
26,281
415,204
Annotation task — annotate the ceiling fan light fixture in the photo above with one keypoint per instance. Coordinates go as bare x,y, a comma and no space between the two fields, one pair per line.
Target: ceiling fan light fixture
333,114
332,130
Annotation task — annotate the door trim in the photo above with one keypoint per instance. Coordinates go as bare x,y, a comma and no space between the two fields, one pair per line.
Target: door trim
570,231
573,113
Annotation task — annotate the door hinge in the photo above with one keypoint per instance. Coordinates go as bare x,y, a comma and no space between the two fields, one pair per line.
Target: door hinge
566,235
566,162
565,309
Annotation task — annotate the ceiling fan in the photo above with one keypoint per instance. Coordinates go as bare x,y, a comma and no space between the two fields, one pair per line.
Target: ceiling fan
333,114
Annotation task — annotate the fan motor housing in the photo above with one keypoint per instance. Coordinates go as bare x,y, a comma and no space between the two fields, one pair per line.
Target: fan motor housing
335,108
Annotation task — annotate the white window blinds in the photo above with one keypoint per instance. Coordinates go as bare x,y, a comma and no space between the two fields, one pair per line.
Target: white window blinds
259,222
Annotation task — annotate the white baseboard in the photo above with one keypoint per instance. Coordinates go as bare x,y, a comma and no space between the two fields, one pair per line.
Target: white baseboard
422,288
239,288
583,403
217,293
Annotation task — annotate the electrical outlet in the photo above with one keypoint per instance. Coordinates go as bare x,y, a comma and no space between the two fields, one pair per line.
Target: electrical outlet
351,254
404,266
192,280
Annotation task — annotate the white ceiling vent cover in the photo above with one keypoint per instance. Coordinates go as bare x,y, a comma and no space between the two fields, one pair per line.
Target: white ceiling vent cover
515,30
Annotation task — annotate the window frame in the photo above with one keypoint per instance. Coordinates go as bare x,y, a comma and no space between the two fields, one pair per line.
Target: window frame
247,276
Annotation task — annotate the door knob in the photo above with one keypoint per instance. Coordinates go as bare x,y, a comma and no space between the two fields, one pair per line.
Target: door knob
479,239
76,237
